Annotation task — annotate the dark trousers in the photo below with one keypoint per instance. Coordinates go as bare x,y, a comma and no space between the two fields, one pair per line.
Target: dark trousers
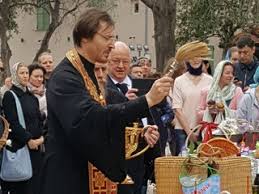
171,140
21,187
180,137
136,171
125,189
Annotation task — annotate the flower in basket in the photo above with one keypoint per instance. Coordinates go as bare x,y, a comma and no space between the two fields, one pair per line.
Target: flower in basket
228,127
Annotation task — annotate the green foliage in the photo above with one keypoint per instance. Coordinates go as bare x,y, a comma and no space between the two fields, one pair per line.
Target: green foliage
201,19
9,10
104,4
191,147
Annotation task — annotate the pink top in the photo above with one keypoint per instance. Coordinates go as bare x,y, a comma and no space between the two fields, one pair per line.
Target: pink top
186,96
203,101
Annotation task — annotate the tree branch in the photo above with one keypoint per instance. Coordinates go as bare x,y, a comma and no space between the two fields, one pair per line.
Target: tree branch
51,9
72,10
110,7
148,3
23,4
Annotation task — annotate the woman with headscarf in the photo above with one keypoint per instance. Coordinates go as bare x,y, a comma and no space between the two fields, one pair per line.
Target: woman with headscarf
32,135
220,100
248,108
186,95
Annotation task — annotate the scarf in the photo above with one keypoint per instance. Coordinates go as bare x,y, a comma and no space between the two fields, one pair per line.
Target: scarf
40,91
15,79
194,71
224,94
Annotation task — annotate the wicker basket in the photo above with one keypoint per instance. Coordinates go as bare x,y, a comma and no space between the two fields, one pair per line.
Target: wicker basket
5,133
218,146
235,174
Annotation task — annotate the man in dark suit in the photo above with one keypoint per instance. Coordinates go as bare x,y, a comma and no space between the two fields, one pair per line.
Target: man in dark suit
81,127
119,89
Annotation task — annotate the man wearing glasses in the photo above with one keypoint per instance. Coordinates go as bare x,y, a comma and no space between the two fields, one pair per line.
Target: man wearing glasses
247,65
119,89
80,125
146,66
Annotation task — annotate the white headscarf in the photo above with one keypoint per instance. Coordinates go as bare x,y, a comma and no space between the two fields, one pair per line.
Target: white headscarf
15,80
224,94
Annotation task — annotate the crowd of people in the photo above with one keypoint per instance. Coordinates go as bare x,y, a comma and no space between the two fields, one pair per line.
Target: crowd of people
76,111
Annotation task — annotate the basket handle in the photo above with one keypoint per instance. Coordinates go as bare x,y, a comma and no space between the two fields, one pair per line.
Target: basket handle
216,151
189,135
203,164
4,137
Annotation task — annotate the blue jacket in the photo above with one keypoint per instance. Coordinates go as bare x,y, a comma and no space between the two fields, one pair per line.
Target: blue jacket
248,107
245,73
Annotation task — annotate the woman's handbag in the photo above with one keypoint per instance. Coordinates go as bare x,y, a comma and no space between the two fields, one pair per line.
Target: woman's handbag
16,166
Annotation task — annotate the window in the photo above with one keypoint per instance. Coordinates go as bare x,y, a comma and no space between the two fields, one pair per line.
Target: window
211,52
43,18
211,56
135,6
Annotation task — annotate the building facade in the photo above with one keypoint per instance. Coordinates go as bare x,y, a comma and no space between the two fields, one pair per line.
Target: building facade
134,25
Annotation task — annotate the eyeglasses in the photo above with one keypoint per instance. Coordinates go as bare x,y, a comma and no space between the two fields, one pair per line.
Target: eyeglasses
143,63
119,61
107,38
245,52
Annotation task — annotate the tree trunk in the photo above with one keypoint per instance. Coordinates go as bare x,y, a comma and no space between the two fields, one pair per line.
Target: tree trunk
256,10
45,41
6,54
164,14
56,21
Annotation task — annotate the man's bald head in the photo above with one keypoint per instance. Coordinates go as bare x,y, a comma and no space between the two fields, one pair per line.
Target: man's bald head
119,61
120,47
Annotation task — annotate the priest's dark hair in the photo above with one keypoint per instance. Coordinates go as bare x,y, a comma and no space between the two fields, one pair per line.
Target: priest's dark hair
88,24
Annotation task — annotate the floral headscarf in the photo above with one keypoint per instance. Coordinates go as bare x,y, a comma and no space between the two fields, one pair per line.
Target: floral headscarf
224,94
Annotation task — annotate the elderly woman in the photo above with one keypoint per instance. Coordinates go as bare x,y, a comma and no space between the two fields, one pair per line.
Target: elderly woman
220,100
32,135
249,105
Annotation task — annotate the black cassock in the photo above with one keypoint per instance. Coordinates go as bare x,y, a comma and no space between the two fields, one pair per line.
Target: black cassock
80,131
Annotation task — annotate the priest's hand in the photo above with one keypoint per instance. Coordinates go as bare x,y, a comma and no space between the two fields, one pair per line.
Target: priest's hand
151,135
159,90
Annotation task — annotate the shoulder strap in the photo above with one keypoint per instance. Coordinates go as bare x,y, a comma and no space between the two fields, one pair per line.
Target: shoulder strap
19,110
